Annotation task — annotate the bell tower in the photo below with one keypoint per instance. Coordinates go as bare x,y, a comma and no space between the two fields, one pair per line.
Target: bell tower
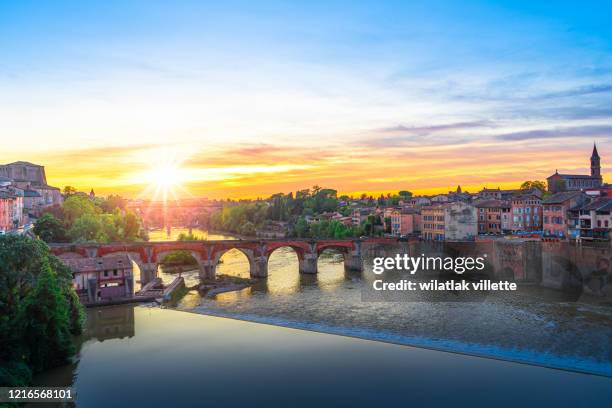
595,163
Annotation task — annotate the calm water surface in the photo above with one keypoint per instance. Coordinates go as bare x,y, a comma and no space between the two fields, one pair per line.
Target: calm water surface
533,325
138,356
155,357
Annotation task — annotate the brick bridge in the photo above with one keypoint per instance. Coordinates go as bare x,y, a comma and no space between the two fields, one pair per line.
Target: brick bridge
148,255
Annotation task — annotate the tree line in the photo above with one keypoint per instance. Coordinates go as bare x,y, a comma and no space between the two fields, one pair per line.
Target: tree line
39,310
83,219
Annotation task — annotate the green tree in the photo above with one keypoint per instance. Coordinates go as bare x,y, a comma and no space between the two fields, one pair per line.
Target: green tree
76,206
38,309
112,203
69,190
529,185
301,228
405,194
50,229
87,228
46,317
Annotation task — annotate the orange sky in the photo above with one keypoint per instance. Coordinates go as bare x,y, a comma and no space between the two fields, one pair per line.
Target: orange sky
259,170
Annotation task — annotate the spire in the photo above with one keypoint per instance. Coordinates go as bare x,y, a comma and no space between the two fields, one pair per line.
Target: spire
595,154
595,163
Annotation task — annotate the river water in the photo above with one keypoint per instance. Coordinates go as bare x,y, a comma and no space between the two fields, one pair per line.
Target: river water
143,355
532,325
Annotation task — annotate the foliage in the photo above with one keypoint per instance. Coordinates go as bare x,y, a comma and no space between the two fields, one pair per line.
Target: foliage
86,228
77,206
50,229
529,185
69,190
180,257
82,219
39,310
188,237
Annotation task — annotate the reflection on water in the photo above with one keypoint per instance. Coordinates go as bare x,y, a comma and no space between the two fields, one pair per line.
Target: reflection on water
535,324
143,356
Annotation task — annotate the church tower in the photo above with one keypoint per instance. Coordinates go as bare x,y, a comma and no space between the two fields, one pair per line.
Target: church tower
595,164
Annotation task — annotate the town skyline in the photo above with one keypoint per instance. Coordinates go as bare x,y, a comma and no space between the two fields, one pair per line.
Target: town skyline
182,191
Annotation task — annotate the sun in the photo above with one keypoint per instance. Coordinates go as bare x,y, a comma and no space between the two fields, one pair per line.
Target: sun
164,180
165,176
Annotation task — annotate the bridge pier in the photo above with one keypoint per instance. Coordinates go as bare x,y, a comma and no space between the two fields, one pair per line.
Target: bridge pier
148,272
353,262
259,267
207,270
308,264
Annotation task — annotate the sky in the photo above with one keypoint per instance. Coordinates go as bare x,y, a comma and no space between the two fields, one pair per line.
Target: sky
246,99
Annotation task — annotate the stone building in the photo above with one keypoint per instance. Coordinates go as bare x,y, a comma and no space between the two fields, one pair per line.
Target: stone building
102,279
568,182
596,219
557,212
11,208
527,211
449,221
405,221
493,216
32,177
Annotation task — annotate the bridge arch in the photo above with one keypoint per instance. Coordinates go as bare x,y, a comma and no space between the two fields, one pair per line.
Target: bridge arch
218,254
299,252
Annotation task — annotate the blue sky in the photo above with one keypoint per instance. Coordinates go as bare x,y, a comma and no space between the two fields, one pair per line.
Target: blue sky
419,82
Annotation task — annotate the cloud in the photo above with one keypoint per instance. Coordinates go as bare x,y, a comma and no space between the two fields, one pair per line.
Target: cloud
580,91
575,131
425,130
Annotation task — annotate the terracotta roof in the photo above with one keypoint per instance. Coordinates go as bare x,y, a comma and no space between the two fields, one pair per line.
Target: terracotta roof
492,204
559,198
98,264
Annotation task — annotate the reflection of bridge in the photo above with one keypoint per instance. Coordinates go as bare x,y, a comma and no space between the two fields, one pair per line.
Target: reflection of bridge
148,255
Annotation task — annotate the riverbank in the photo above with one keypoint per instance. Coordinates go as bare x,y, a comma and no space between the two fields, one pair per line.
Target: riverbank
275,366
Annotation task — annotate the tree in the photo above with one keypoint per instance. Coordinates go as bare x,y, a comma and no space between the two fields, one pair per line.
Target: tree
113,202
38,309
530,185
76,206
405,194
87,228
301,228
46,318
69,190
50,229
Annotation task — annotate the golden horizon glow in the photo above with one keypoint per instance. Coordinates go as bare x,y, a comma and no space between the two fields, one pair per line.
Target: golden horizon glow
251,171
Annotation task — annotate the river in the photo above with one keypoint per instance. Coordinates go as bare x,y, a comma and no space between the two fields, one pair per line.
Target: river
533,325
138,356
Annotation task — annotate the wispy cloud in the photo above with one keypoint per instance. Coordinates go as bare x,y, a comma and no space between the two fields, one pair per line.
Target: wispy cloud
429,129
599,131
579,91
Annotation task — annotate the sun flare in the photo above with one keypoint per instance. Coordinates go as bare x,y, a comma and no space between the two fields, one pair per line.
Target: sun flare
164,180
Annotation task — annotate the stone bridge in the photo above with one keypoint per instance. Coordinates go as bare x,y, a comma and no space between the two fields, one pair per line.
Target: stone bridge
148,255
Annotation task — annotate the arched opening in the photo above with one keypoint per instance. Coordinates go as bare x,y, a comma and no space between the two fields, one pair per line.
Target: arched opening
330,267
177,263
283,271
233,262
